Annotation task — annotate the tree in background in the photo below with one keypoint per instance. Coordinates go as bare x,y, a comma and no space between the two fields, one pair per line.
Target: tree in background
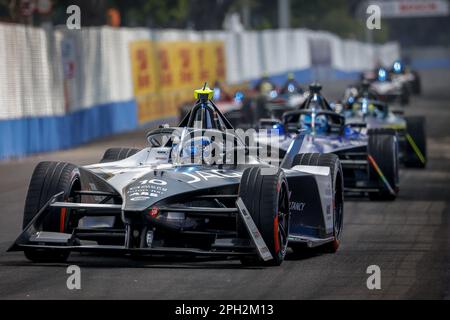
184,14
154,13
337,16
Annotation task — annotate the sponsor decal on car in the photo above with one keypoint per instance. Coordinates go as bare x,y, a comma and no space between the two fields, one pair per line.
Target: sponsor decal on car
202,176
297,206
147,189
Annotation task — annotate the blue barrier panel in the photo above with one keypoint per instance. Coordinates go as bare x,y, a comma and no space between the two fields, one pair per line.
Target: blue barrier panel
302,76
346,75
431,63
21,137
306,76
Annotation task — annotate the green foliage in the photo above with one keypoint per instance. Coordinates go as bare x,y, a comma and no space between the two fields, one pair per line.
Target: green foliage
333,16
166,12
4,8
326,15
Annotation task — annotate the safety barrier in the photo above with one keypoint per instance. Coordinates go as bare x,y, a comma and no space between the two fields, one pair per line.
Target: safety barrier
60,88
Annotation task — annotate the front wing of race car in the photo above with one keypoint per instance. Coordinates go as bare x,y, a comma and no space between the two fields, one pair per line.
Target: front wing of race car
33,238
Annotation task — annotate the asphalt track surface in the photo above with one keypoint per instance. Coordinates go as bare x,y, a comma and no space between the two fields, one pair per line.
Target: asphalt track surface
408,239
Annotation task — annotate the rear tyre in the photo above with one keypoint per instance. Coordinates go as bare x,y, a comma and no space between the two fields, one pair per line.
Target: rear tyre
415,153
331,161
117,154
49,179
261,109
267,199
417,84
405,96
383,148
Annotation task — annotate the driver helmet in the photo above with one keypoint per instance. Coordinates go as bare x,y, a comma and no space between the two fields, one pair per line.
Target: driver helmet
382,75
320,124
398,67
266,87
196,151
350,96
306,122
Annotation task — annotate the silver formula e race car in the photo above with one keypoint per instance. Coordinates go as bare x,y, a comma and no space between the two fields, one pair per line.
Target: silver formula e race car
389,88
186,194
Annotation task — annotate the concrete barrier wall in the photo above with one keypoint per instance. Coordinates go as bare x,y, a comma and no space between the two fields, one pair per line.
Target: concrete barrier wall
61,88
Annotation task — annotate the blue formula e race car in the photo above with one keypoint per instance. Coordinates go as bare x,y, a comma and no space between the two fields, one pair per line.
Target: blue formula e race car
363,108
369,157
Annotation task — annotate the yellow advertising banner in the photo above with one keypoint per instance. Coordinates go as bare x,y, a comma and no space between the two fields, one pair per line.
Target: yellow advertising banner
143,66
165,74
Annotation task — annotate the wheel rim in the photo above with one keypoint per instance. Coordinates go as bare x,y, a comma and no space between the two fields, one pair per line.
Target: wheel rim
281,222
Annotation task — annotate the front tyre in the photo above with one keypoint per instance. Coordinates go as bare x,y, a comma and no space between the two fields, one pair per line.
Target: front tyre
49,179
266,197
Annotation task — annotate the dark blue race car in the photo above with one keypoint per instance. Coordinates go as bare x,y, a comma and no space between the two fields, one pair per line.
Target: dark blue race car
364,108
369,157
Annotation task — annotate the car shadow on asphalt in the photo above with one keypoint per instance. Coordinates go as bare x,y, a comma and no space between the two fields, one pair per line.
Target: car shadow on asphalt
92,261
304,255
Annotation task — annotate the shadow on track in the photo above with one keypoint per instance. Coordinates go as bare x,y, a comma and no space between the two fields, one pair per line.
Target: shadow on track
92,261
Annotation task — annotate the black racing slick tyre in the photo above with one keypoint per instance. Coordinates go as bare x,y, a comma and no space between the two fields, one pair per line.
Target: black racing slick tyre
49,179
331,161
383,159
405,97
266,197
117,154
417,84
415,153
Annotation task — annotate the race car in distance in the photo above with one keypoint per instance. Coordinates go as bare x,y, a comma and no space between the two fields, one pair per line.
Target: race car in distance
237,108
400,72
245,108
270,101
388,88
288,98
363,108
369,158
196,190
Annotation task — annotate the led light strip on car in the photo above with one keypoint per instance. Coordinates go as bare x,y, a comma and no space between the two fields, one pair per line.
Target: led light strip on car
415,148
380,173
